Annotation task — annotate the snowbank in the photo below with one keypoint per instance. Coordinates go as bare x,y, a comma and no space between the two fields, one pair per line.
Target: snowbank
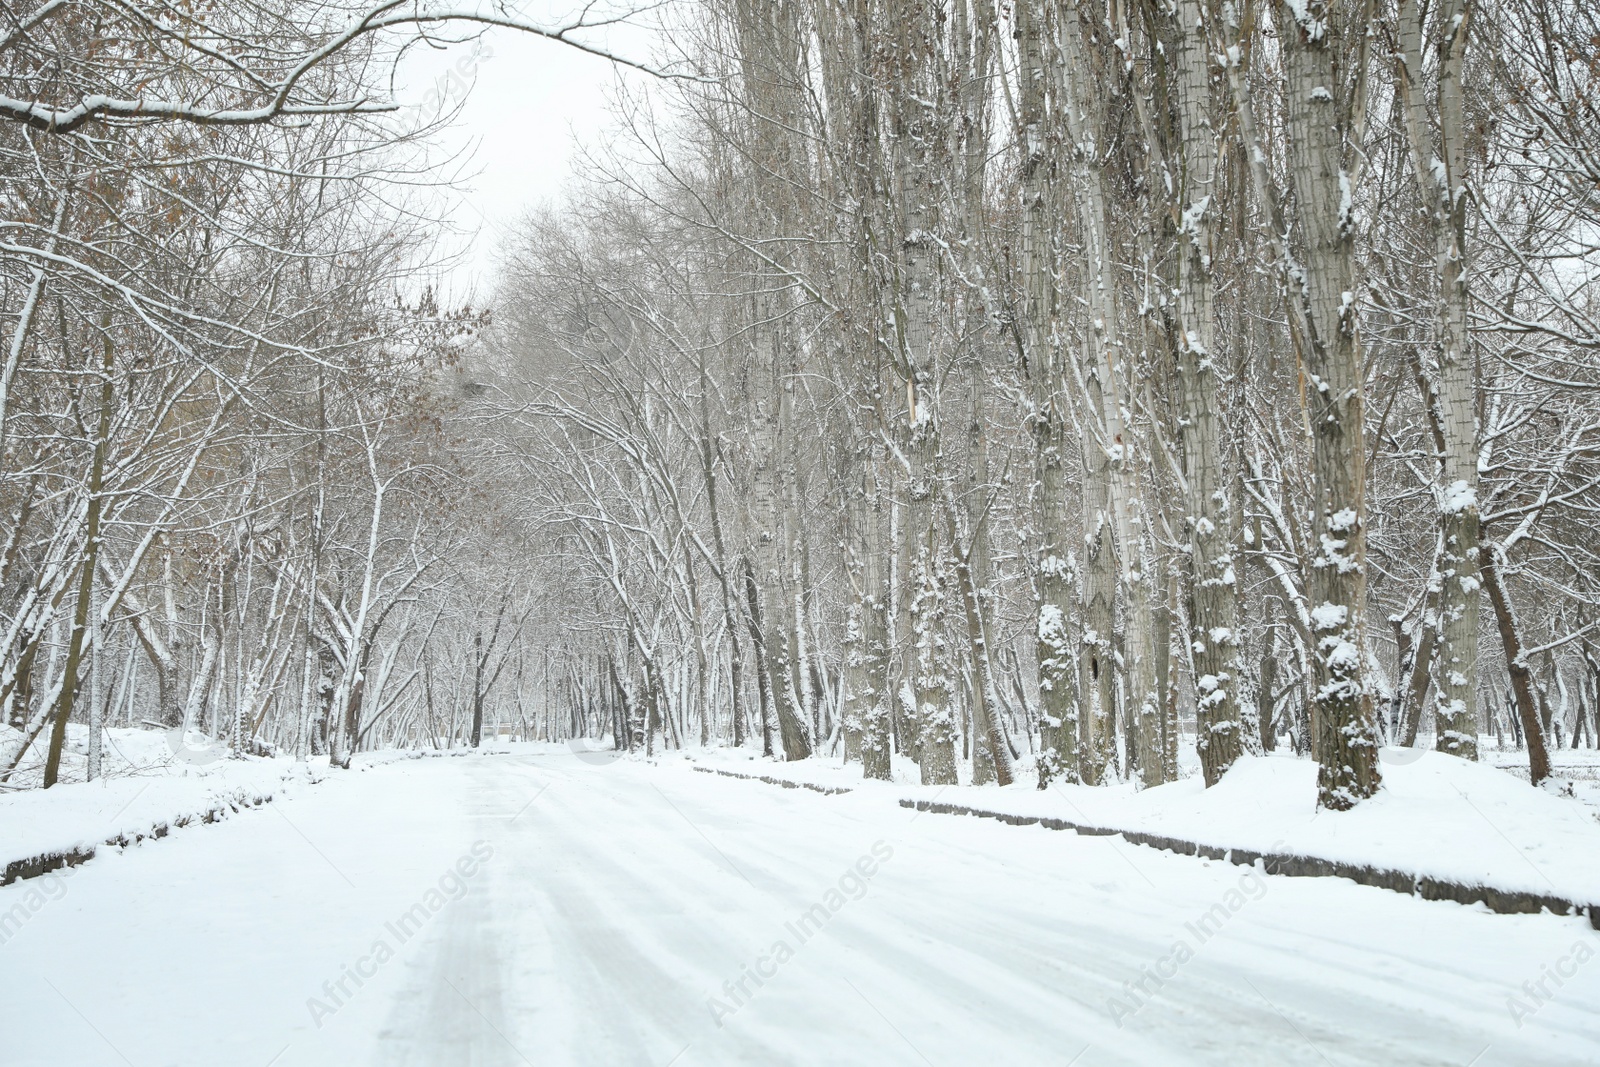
1437,817
1440,826
818,770
150,789
153,781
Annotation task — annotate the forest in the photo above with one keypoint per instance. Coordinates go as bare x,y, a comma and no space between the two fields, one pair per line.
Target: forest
1066,391
920,532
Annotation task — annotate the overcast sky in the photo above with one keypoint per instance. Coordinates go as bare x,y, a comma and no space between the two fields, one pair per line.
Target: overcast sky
532,102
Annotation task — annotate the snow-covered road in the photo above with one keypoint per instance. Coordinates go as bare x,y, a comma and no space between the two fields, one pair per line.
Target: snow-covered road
549,910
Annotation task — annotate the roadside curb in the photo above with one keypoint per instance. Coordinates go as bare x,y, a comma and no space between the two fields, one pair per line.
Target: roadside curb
1501,901
785,783
44,863
236,801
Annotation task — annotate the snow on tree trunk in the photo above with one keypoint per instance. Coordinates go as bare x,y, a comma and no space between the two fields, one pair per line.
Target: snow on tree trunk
1208,521
1053,642
1324,41
867,711
1440,170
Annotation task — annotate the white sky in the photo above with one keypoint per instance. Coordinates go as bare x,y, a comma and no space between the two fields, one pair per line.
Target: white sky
532,102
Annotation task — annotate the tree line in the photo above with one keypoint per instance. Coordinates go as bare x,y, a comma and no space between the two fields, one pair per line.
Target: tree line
234,504
1055,385
1068,383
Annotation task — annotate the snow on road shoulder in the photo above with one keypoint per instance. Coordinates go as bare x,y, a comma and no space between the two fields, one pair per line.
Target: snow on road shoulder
1439,817
1436,816
155,782
823,771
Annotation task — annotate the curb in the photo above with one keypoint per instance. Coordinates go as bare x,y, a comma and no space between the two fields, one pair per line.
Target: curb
35,866
1501,901
826,789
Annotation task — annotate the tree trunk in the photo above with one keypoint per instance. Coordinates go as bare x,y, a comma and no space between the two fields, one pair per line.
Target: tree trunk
1521,677
91,550
1058,683
866,674
1442,182
1265,697
96,693
477,690
1213,597
985,700
1322,39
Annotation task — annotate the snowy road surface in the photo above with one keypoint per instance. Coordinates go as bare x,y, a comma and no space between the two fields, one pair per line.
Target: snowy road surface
546,910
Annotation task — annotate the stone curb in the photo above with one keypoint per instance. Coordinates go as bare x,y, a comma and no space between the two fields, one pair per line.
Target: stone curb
828,789
1502,901
34,866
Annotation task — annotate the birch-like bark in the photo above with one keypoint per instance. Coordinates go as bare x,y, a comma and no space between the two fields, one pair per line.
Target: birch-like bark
802,682
1440,170
1169,702
770,66
1324,60
856,680
725,578
1097,610
926,584
986,701
1058,683
867,710
1113,504
917,129
1208,523
759,645
768,554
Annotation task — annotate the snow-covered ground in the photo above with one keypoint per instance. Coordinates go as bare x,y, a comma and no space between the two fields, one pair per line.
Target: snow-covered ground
1578,768
125,752
560,908
149,788
152,782
1436,816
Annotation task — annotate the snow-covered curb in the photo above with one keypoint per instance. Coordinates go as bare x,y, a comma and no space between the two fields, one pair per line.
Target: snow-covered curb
1441,828
76,829
786,783
42,830
1428,887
